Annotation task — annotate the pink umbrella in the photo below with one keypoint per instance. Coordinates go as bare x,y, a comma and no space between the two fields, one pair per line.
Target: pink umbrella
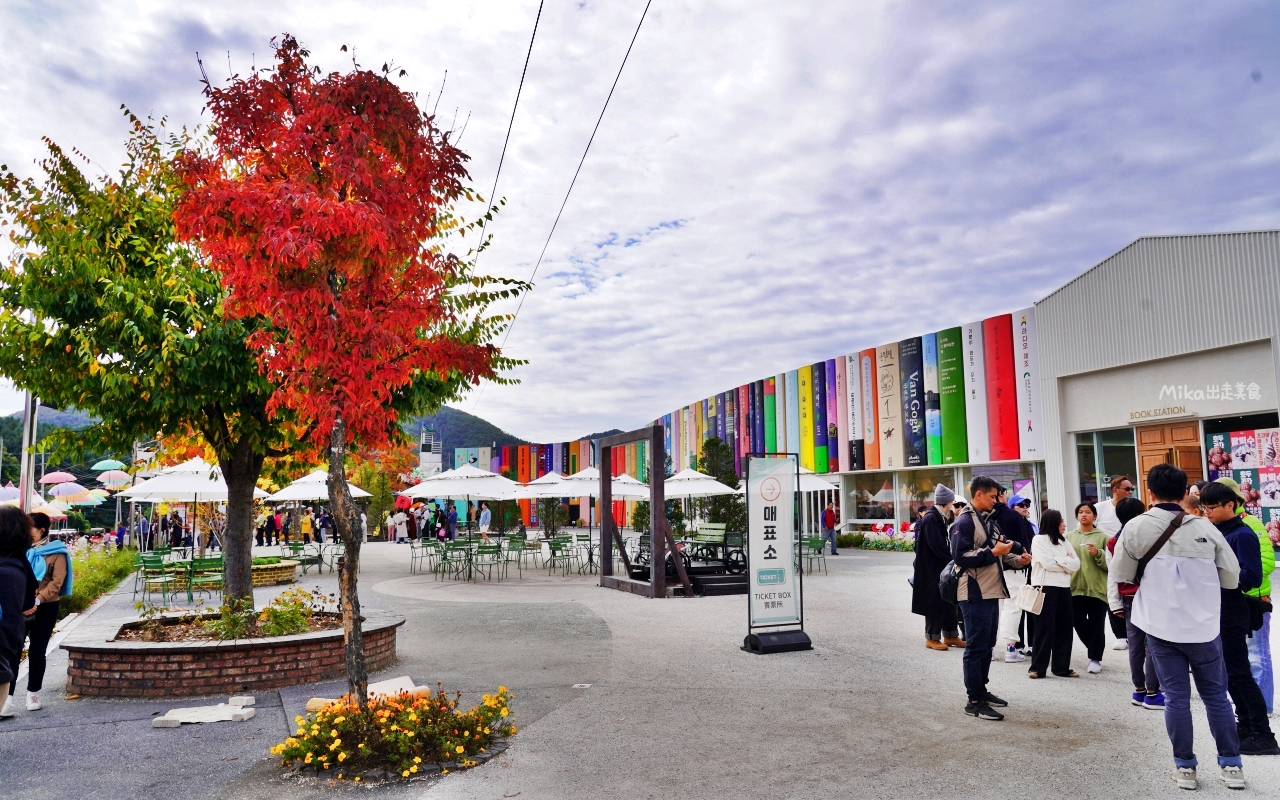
114,477
58,477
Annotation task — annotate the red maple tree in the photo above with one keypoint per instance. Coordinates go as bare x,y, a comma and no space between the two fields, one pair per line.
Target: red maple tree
324,202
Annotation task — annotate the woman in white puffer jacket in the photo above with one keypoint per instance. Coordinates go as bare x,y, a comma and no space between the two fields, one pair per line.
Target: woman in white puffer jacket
1053,560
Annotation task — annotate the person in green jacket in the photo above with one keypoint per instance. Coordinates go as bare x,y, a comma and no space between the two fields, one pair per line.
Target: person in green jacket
1260,640
1089,584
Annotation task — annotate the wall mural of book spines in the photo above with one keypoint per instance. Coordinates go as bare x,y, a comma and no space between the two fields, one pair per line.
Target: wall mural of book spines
966,394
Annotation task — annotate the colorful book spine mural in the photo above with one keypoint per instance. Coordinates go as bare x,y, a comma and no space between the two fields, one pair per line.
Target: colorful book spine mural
870,408
720,401
1002,392
744,424
832,417
932,405
819,410
975,394
911,377
753,419
1026,362
853,397
951,391
795,442
892,453
771,415
780,416
758,426
730,429
805,391
841,398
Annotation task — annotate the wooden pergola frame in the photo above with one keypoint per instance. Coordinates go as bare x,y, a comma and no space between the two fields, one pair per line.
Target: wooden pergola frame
659,531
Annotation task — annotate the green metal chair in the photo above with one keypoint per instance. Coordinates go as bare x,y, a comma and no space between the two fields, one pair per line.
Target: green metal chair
514,553
454,560
155,573
563,553
205,575
487,557
417,554
296,551
532,548
811,548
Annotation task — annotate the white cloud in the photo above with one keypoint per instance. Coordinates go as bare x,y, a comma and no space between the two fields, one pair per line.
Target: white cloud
794,180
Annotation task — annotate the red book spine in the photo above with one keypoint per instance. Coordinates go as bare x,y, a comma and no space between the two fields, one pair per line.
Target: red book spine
1002,394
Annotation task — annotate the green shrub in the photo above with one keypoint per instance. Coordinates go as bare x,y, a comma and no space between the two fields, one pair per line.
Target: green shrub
265,561
235,620
287,614
893,544
94,571
849,540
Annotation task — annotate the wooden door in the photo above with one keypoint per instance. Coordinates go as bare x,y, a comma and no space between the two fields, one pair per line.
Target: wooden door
1175,443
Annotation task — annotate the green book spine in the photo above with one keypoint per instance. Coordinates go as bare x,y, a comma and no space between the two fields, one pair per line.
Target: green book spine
770,416
955,438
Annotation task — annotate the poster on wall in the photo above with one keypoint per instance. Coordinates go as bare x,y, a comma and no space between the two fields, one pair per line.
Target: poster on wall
1244,452
1271,519
932,404
853,385
888,395
1217,449
1027,368
951,390
1268,445
1248,480
911,379
975,393
805,389
1269,487
1002,391
870,414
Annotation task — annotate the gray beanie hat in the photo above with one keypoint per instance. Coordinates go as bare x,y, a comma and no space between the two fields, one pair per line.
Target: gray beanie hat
942,495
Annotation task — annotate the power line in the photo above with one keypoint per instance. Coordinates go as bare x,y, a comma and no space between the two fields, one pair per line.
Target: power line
493,193
581,161
578,170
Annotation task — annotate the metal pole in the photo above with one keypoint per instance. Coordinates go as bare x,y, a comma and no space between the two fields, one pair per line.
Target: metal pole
658,510
26,466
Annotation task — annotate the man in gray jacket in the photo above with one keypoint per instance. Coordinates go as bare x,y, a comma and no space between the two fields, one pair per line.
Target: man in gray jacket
1177,604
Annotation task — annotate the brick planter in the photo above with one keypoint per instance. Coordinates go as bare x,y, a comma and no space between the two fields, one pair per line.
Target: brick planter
271,574
99,666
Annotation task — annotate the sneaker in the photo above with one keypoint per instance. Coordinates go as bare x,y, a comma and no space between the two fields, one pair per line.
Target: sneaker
983,711
1185,777
1121,644
998,702
1259,746
1012,656
8,710
1095,667
1138,698
1233,777
1155,702
33,702
934,644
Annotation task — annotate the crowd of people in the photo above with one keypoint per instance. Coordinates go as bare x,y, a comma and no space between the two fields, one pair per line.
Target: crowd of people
434,521
1184,585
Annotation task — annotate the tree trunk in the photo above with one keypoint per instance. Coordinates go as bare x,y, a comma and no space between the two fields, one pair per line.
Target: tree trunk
240,472
346,518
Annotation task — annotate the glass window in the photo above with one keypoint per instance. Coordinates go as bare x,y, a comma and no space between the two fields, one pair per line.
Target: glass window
1021,478
915,490
873,495
1087,465
1119,457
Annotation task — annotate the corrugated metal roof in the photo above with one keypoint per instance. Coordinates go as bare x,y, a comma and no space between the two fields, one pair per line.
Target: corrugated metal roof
1163,296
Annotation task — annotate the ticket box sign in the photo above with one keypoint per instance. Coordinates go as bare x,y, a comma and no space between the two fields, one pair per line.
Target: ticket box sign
774,596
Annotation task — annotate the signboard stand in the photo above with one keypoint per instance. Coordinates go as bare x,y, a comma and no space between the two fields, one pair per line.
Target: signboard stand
775,600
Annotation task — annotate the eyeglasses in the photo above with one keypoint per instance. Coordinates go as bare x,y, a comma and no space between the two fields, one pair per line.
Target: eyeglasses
1124,488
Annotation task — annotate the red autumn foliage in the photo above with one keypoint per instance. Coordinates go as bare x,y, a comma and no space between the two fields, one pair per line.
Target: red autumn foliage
319,203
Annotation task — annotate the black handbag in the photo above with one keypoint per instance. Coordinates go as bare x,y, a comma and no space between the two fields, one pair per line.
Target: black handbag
949,582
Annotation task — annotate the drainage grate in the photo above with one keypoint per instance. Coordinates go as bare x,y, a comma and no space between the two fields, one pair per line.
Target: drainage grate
581,686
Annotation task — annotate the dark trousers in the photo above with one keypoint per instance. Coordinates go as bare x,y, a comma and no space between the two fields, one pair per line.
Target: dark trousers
1142,668
1053,632
935,627
1176,664
40,630
1090,615
1251,707
981,619
1118,628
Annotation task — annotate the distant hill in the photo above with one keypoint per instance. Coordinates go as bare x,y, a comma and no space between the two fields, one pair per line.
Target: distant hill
71,418
457,428
602,434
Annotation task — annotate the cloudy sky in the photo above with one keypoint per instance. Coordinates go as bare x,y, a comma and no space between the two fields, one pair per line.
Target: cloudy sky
774,183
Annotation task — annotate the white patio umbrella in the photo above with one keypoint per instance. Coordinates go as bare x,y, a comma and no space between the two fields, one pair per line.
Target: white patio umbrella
549,485
313,486
194,481
691,483
809,482
464,482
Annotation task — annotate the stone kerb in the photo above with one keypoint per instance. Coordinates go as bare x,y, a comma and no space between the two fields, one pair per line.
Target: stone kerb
271,574
100,666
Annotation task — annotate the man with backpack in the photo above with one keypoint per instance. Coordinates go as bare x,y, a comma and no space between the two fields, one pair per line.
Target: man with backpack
982,553
1181,564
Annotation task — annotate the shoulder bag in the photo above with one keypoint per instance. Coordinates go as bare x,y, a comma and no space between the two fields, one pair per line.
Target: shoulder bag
949,582
1155,548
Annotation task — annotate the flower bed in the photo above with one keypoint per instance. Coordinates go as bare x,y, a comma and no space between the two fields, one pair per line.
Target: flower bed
99,664
398,737
270,574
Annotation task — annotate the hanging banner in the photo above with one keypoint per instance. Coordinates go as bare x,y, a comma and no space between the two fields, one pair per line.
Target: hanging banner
775,587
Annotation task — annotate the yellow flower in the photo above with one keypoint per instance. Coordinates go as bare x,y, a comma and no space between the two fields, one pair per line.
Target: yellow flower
417,759
408,733
298,720
414,768
404,774
486,730
342,756
444,772
333,733
339,776
308,759
504,712
502,689
357,779
459,748
338,720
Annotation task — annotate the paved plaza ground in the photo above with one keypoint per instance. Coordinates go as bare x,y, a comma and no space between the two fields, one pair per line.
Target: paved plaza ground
675,708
